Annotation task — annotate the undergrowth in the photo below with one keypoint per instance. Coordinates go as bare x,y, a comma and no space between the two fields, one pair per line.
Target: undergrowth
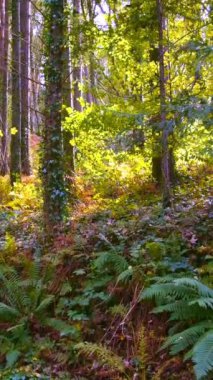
78,309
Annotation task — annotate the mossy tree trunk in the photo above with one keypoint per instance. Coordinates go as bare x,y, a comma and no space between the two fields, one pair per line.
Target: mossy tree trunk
53,170
67,102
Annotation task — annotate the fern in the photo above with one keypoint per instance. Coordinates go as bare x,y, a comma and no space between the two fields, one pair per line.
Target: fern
103,354
186,338
167,289
187,300
25,303
125,275
8,313
142,349
111,259
200,288
203,355
118,310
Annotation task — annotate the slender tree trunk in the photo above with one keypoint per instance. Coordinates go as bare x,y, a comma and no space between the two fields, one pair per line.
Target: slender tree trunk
25,93
67,101
15,154
4,33
34,75
53,171
165,132
76,68
91,69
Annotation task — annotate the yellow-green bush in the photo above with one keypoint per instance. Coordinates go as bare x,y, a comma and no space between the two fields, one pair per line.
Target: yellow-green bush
25,196
5,190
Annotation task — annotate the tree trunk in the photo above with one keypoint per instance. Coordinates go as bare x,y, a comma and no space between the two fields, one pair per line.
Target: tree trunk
76,69
4,33
91,67
15,150
166,177
67,101
53,171
25,94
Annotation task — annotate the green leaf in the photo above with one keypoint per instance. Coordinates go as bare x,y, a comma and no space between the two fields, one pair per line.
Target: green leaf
8,313
45,303
203,355
12,357
61,326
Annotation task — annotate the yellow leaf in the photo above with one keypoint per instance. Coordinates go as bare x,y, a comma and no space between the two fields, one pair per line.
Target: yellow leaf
13,130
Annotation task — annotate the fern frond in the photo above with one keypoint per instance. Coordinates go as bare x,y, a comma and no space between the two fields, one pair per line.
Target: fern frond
111,258
167,289
183,310
103,354
10,288
202,355
44,304
203,302
61,326
182,340
142,348
200,288
192,301
125,276
8,313
34,271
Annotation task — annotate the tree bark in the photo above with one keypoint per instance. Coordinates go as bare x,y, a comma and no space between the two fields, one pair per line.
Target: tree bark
4,34
25,94
53,171
165,164
67,101
15,149
76,69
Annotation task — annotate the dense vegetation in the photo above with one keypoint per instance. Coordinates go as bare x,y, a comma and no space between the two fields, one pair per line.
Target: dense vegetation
105,207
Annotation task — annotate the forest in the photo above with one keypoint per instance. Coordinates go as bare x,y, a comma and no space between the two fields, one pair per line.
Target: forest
106,209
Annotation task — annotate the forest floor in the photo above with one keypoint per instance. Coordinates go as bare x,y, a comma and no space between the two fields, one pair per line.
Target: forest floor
86,268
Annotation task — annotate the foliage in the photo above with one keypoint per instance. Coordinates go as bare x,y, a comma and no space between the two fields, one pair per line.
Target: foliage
26,307
143,351
186,299
25,196
115,237
103,354
4,190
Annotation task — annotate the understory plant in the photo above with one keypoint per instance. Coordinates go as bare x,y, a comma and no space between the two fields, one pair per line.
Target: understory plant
190,304
26,313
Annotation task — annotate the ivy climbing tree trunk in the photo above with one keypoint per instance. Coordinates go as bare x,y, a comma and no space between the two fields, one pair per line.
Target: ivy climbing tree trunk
53,171
25,94
15,149
67,101
4,30
165,132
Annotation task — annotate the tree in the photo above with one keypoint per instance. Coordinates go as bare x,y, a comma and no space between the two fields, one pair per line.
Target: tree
67,102
15,149
53,171
25,93
4,31
165,130
76,62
